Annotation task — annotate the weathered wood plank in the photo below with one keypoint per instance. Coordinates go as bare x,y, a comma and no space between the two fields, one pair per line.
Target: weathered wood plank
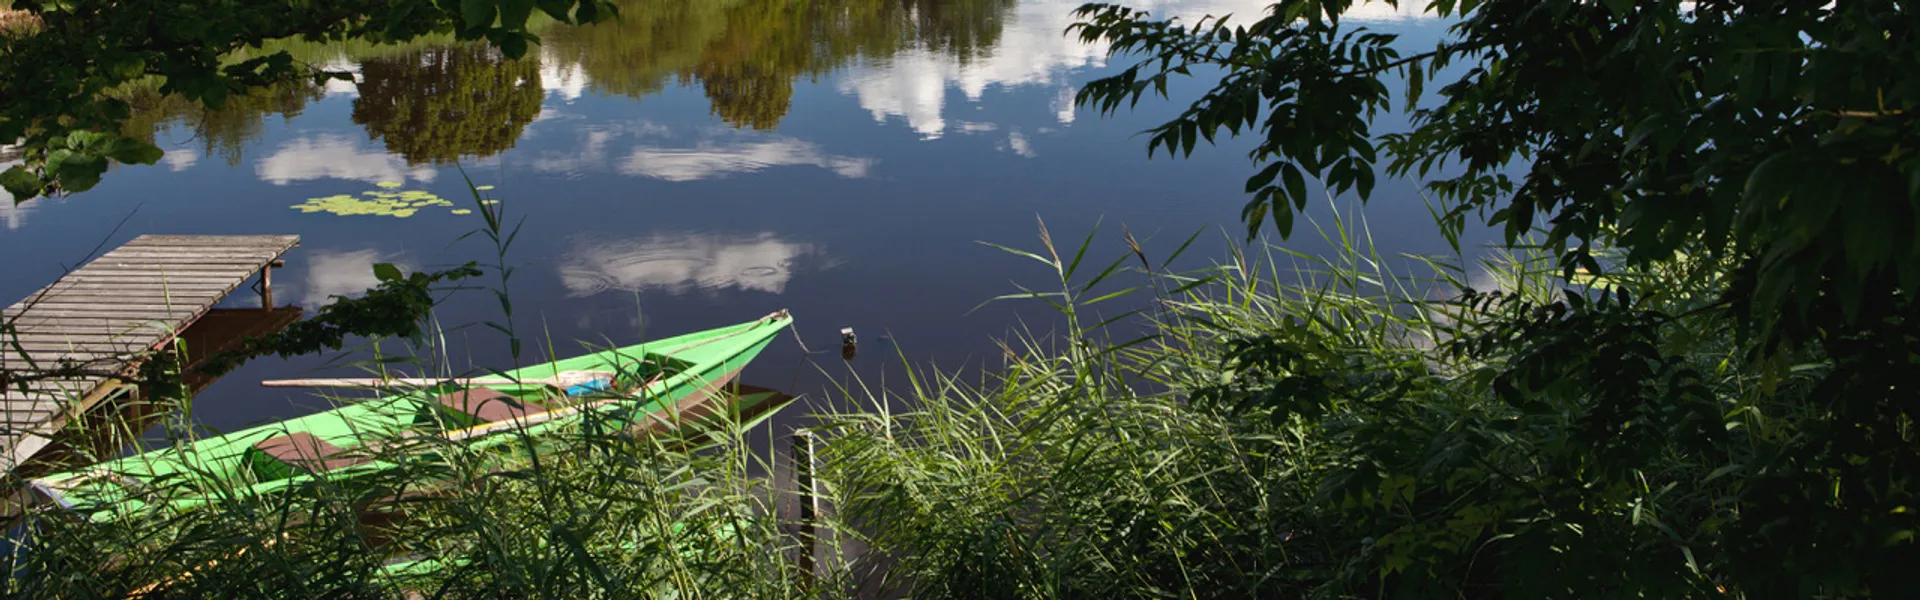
154,279
225,238
246,242
248,264
207,255
166,273
128,319
229,239
102,337
108,303
51,356
208,251
99,297
93,327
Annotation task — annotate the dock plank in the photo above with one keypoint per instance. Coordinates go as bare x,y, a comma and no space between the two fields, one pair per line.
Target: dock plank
106,314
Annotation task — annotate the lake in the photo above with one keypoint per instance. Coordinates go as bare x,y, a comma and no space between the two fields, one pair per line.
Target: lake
698,163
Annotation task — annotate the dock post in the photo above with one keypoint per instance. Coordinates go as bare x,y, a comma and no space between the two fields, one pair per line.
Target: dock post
266,283
807,504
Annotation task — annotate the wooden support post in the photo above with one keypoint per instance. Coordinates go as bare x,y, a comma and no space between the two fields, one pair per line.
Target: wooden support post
806,503
266,283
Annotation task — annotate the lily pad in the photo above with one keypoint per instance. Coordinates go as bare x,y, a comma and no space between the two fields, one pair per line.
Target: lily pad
388,201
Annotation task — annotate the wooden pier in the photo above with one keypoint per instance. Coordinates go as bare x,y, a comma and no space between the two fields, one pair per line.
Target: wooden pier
79,341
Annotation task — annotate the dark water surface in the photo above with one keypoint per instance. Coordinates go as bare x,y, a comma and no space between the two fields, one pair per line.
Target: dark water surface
699,163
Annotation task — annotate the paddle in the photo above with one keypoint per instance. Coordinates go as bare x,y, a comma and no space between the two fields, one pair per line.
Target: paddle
562,380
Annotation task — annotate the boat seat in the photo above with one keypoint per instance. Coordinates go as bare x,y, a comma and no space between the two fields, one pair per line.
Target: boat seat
488,405
304,452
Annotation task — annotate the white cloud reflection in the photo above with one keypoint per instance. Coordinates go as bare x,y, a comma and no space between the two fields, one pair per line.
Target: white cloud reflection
709,160
680,262
648,149
180,159
1033,50
559,78
342,273
339,157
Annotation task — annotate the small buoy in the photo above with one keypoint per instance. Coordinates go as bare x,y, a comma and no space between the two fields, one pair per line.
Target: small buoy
849,345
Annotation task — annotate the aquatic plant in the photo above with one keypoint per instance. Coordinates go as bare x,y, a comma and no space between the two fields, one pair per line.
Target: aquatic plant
387,201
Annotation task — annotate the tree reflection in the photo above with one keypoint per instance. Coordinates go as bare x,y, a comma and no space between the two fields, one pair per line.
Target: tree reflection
223,132
746,54
434,104
439,104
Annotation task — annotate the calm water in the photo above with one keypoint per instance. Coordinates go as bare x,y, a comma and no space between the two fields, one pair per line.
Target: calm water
698,164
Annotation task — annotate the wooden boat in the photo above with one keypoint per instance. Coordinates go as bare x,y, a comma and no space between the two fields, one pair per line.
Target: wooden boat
654,387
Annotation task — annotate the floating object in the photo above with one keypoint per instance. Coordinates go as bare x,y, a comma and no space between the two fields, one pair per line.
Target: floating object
655,387
563,381
849,345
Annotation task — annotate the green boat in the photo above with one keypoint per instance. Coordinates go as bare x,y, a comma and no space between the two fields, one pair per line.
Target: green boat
655,387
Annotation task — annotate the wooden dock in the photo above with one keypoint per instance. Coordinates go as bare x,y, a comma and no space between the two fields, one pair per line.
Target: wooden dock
76,342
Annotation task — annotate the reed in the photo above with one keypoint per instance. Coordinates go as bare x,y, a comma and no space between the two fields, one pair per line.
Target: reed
1277,425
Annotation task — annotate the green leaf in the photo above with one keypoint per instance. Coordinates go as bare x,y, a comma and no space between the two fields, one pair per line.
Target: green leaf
20,182
386,272
477,13
1296,184
81,140
514,13
81,171
1264,177
513,46
556,9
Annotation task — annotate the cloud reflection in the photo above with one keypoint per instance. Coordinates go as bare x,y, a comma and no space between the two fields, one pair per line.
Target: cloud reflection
342,273
336,156
1032,51
712,160
681,262
648,149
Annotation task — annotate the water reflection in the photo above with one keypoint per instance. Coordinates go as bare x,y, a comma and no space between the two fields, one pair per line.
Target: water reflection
681,262
746,54
343,273
659,152
222,132
337,156
899,58
709,160
439,104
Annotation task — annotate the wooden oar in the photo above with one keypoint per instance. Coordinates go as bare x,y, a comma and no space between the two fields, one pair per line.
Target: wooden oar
563,380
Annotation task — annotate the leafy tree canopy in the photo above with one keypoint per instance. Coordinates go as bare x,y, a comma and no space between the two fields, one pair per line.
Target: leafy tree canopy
56,80
1780,132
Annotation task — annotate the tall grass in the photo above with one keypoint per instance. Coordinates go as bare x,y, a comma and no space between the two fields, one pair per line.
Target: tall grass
1090,471
1289,425
1293,426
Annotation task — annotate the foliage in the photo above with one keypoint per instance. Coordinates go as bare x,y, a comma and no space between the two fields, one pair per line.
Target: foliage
392,309
442,103
1661,126
55,82
1724,190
